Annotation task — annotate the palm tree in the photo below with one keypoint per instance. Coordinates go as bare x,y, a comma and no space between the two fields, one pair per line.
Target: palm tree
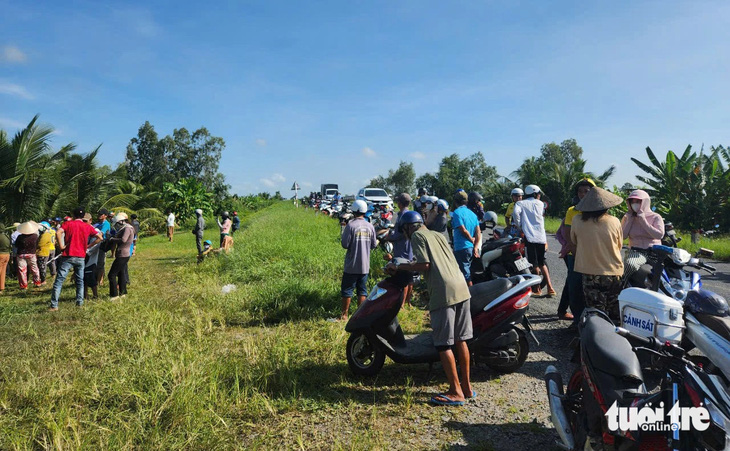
27,166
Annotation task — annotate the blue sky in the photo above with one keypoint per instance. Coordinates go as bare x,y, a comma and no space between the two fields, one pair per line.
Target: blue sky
339,92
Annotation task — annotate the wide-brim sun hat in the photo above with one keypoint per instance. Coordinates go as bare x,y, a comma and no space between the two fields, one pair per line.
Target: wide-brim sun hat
598,199
28,227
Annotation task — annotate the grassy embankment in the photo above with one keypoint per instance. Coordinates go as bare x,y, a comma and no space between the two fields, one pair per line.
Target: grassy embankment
178,364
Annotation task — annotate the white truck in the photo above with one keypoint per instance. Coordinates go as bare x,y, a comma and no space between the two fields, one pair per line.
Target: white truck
328,190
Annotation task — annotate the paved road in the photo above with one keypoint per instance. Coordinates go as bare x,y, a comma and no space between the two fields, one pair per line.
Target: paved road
718,282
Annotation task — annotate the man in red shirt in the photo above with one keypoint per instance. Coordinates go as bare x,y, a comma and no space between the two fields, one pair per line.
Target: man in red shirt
73,237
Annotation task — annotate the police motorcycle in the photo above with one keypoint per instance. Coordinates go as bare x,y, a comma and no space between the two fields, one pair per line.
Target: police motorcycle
606,403
676,306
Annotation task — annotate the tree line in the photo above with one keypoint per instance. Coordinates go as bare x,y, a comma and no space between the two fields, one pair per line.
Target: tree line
690,190
179,172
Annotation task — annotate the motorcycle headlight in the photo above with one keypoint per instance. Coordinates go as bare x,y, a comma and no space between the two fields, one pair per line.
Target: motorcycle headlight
376,293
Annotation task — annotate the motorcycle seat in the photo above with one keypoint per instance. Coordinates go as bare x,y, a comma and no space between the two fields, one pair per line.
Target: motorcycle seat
491,245
718,324
484,293
609,352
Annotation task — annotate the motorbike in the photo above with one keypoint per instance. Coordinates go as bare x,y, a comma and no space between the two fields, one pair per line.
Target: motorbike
503,255
500,258
610,377
676,308
497,308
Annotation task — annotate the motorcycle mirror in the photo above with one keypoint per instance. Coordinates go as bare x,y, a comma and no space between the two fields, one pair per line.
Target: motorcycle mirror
388,247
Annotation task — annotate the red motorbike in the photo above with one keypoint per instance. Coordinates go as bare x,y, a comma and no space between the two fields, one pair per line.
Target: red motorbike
497,308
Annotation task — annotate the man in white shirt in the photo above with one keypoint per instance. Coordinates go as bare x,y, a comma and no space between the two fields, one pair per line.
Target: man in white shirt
528,215
170,224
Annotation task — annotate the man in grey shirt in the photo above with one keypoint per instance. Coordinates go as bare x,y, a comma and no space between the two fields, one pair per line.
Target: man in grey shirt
359,239
198,230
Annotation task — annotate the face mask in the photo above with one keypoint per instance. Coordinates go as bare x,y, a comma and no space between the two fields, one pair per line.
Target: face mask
429,207
636,207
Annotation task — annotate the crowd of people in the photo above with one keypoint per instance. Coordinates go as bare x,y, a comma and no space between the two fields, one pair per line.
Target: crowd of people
591,243
31,251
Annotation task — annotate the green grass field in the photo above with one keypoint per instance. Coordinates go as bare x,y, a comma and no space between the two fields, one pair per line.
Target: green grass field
179,365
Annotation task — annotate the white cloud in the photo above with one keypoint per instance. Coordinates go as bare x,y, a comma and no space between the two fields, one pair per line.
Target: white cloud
261,142
12,54
10,123
418,155
273,181
368,152
15,90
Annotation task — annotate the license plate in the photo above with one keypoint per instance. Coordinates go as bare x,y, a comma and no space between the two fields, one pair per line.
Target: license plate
522,264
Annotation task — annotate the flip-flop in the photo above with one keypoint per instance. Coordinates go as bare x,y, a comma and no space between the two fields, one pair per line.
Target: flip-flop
449,402
472,397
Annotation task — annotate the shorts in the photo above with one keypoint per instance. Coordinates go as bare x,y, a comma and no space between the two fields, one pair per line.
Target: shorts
535,253
90,279
451,324
463,259
350,281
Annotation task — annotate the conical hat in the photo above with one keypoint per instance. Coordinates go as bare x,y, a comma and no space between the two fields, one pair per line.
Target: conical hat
28,228
598,199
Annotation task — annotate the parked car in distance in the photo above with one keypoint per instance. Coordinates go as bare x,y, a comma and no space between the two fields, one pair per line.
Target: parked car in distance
375,196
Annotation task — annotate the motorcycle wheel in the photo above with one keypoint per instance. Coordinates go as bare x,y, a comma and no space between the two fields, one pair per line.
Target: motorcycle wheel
522,347
363,357
573,403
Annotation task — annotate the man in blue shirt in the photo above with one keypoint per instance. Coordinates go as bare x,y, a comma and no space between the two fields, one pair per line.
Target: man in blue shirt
104,227
467,235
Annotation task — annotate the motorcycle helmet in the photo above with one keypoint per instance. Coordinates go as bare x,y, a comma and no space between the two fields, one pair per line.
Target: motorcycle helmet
422,192
409,217
198,211
359,206
225,214
532,189
442,205
706,302
208,242
473,198
517,192
490,216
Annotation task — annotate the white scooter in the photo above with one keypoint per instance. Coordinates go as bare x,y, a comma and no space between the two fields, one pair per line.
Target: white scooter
653,314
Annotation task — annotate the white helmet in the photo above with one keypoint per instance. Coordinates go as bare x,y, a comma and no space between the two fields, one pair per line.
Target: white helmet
517,192
198,211
442,204
424,199
121,217
433,199
359,206
532,189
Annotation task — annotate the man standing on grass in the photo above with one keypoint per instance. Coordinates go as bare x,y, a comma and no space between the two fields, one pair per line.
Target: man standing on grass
170,224
467,235
359,239
73,238
236,223
449,304
105,228
198,231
